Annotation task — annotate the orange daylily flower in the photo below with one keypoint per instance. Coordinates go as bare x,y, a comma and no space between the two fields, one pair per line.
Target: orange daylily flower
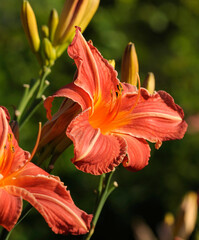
21,179
116,118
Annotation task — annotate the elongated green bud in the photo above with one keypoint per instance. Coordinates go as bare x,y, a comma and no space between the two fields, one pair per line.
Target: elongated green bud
149,83
30,26
75,13
45,31
73,10
89,13
49,51
52,23
130,67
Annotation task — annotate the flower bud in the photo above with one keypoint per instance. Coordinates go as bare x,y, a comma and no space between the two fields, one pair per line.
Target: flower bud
45,31
89,13
48,49
130,67
74,13
30,26
52,23
186,219
149,83
73,10
53,139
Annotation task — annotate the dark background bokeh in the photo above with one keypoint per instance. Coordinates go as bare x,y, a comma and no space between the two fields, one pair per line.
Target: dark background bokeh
166,37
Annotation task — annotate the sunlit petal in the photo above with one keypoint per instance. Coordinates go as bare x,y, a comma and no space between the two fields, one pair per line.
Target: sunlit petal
95,75
138,153
94,152
156,117
10,209
12,157
49,196
69,91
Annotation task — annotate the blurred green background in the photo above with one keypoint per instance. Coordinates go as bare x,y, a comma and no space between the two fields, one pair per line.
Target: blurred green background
166,37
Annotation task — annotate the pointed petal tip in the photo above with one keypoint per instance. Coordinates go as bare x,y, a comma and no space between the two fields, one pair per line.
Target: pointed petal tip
50,197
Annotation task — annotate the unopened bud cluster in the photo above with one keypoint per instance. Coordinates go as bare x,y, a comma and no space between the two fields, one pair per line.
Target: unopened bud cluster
58,33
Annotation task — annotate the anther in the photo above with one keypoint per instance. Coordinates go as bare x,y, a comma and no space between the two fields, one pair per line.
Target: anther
12,149
9,137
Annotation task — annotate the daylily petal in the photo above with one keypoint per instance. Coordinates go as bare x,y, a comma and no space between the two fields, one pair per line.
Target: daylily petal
12,157
10,209
69,91
50,197
32,170
129,88
138,153
155,117
94,153
95,75
3,131
21,179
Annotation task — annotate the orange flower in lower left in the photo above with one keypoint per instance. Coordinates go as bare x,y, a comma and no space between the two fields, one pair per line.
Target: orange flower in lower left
21,179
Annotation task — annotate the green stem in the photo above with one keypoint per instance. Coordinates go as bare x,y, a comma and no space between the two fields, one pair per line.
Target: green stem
45,72
102,178
28,94
34,106
104,191
39,85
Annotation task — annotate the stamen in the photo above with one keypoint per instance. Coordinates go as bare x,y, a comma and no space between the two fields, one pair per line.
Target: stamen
115,109
120,89
9,137
12,149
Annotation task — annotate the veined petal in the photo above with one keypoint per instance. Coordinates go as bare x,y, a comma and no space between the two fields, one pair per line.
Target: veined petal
128,88
3,132
12,157
10,209
138,153
29,169
69,91
95,75
155,117
95,153
50,197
